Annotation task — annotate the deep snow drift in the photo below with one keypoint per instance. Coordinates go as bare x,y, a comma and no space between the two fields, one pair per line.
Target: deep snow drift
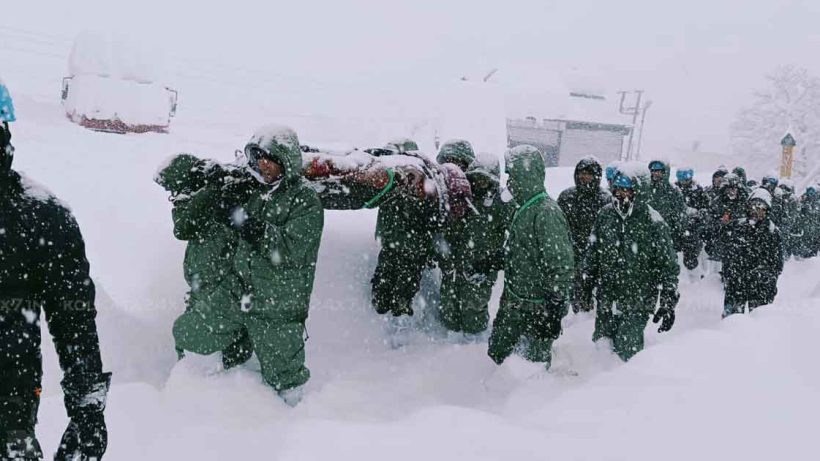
747,387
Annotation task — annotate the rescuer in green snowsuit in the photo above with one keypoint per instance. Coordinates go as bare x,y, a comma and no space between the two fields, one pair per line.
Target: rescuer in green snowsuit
581,204
203,202
474,252
272,244
539,266
407,227
667,200
630,261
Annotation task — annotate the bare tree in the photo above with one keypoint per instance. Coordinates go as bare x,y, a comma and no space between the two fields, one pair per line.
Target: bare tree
790,103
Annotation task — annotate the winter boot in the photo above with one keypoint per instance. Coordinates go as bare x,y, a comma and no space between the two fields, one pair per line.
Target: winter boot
237,353
690,260
292,396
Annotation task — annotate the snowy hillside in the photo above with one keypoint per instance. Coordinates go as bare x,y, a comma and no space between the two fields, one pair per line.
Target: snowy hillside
744,388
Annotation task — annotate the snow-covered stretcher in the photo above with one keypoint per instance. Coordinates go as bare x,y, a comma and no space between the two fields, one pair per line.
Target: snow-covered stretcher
365,179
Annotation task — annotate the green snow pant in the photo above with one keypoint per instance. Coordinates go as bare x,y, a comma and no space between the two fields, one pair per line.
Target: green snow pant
522,325
279,346
624,328
397,280
756,289
464,301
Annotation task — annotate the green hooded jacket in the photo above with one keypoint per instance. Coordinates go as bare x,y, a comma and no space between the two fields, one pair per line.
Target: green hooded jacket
278,270
581,204
200,217
458,152
539,262
474,253
405,223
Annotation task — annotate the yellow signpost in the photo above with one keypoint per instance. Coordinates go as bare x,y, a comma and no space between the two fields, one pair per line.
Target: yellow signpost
787,161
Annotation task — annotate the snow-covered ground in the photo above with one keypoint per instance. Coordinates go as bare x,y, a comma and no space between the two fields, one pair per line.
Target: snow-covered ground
744,388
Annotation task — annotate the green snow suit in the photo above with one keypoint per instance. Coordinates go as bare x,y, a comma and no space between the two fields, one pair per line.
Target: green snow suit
581,204
630,261
668,200
274,265
474,255
538,267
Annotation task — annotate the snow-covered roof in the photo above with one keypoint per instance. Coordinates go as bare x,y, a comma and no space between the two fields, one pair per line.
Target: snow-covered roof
567,100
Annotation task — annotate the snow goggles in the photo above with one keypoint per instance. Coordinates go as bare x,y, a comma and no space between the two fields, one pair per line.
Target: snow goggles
623,181
685,175
656,165
254,153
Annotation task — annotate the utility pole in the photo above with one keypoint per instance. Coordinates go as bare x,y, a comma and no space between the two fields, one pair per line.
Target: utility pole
643,121
634,111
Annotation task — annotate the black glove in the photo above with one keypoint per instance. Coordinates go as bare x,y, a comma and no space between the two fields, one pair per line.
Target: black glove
665,315
252,230
86,436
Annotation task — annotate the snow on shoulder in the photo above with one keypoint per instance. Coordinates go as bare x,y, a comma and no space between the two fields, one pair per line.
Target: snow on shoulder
654,215
38,192
279,134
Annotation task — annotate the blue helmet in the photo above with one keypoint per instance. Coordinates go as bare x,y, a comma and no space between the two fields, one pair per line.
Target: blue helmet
610,172
811,191
657,165
770,180
623,181
6,106
685,174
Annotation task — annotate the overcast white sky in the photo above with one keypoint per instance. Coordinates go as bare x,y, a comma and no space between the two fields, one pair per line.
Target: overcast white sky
697,59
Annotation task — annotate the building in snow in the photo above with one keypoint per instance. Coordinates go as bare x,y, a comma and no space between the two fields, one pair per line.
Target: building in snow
575,125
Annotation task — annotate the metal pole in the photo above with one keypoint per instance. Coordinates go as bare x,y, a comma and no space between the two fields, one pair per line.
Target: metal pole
624,154
635,112
640,135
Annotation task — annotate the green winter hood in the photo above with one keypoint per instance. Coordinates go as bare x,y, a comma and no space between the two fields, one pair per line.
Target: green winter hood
483,175
457,151
526,170
281,143
591,165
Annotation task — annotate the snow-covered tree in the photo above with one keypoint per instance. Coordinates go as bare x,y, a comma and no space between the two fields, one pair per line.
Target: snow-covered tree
790,103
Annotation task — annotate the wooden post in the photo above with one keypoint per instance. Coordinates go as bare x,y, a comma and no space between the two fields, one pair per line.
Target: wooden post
787,159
